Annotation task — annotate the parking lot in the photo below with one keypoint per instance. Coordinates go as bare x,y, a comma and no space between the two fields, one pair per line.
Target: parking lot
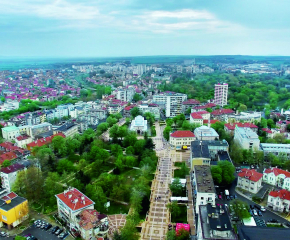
40,234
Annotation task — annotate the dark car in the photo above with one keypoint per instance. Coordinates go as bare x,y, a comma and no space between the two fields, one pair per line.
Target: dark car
235,196
287,224
64,236
235,218
231,197
48,226
272,220
258,207
252,206
228,198
54,229
260,213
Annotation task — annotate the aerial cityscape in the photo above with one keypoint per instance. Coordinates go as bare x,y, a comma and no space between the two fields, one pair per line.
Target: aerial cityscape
156,120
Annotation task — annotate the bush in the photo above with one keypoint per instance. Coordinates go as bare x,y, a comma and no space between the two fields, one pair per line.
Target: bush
256,199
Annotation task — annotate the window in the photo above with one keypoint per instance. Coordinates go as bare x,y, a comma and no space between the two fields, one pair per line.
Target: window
201,198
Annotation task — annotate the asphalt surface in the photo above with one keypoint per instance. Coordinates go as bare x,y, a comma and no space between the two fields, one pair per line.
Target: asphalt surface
266,215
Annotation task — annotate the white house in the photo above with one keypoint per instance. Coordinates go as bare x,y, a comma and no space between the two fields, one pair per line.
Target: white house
9,174
10,133
71,203
246,138
277,177
181,138
250,180
196,118
279,200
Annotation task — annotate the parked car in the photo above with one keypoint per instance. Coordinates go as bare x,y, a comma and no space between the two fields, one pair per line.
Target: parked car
235,196
3,234
252,206
228,198
263,209
287,224
54,229
234,218
255,212
258,207
260,213
64,235
220,197
48,226
59,231
231,197
272,220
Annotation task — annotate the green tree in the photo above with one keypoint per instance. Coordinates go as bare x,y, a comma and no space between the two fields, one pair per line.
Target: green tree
139,146
58,144
65,165
174,209
137,97
130,139
6,163
171,235
216,173
52,187
166,132
97,194
240,208
130,150
186,125
135,112
176,187
122,132
116,150
114,131
111,121
228,171
130,161
119,163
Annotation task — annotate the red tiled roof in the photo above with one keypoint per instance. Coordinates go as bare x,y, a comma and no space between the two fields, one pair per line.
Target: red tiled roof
180,134
283,194
9,196
267,130
277,172
231,126
12,168
89,218
7,156
128,108
222,111
210,105
196,116
211,121
74,199
22,137
42,141
202,112
251,174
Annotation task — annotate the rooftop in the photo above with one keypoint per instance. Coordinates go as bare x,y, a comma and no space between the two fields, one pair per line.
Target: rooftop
277,171
74,199
9,129
247,133
181,134
205,131
203,178
12,168
283,194
250,174
15,201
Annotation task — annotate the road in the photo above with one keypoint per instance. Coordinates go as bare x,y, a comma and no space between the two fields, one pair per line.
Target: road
106,135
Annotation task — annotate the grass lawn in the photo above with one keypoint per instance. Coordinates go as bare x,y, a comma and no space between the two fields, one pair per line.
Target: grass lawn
129,175
48,209
274,225
178,174
117,208
182,218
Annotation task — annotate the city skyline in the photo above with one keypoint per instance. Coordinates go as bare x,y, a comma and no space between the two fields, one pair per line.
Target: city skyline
136,28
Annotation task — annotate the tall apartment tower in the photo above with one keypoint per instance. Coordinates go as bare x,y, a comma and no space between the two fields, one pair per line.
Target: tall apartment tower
221,94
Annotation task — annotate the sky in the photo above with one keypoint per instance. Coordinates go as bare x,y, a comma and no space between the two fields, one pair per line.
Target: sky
115,28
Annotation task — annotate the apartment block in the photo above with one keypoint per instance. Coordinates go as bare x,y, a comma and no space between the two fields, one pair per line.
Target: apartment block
221,94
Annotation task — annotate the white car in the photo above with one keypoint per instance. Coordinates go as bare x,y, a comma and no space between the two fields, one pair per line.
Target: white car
255,212
263,209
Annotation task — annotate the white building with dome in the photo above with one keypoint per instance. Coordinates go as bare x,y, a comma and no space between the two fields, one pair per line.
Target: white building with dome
139,125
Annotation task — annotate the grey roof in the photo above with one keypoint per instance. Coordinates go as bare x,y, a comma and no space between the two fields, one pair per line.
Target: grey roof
200,149
259,233
14,202
224,156
66,126
203,178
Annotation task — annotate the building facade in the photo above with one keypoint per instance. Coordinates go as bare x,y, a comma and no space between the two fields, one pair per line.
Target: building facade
279,200
206,133
181,138
9,175
250,180
221,94
10,133
277,177
246,138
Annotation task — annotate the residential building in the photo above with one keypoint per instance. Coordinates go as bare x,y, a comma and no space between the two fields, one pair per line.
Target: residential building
250,180
92,224
22,140
43,141
151,108
221,94
199,117
221,114
68,129
246,138
282,125
125,94
13,210
70,204
243,116
279,200
230,127
35,130
171,101
277,177
275,148
127,111
206,152
181,138
10,133
214,223
139,125
203,186
189,104
9,174
206,133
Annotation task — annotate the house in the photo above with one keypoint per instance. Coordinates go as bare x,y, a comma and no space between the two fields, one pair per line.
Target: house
206,152
214,223
68,129
9,174
181,138
275,148
23,140
250,180
230,127
190,103
244,116
203,186
282,125
279,200
196,118
277,177
205,133
13,210
10,133
127,111
151,108
43,141
221,114
70,204
139,125
246,138
92,224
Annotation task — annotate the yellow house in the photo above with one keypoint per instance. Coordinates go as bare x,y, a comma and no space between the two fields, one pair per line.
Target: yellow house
13,210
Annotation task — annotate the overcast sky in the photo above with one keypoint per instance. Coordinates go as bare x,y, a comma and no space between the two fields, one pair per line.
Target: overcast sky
105,28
